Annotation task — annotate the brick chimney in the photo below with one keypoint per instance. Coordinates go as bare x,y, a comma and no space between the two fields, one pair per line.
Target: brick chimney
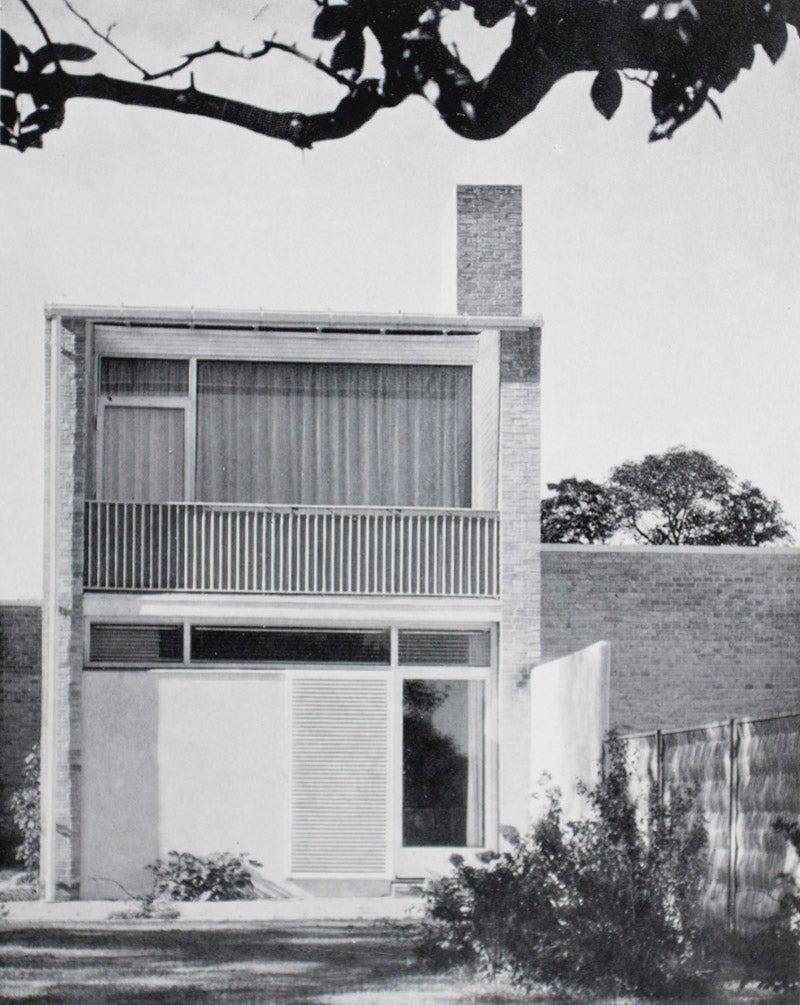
489,249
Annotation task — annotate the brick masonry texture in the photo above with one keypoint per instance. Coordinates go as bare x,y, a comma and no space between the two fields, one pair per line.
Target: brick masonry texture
695,636
62,614
520,586
20,675
489,249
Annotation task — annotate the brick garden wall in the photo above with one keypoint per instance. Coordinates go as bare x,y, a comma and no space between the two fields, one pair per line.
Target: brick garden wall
696,634
20,676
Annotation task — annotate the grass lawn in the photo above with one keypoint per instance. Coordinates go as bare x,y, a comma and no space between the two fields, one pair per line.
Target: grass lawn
322,963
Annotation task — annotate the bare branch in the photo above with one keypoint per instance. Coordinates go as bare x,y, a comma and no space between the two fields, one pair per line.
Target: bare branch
37,22
107,39
267,46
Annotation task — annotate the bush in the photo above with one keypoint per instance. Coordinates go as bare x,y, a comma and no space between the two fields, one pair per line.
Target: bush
26,814
773,952
220,876
589,906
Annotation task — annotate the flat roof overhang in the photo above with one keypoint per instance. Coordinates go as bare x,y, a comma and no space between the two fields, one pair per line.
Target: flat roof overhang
328,321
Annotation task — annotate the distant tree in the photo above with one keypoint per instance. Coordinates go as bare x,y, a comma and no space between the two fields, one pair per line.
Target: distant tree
579,512
681,50
679,497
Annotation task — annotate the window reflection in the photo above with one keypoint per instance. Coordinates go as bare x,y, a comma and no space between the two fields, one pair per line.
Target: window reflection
443,763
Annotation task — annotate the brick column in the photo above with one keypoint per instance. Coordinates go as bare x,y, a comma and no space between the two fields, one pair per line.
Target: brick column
490,283
62,609
520,566
489,249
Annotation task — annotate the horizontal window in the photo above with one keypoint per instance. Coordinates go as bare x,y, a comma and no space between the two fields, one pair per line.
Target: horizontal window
288,645
428,648
144,377
136,644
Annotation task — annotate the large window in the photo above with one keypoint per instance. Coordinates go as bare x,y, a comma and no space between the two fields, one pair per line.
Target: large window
351,434
333,433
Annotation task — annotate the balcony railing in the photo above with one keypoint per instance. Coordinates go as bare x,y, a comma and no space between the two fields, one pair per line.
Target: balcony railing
351,551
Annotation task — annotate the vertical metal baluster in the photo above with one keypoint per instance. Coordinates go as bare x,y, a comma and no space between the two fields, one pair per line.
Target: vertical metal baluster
98,509
289,548
435,554
426,581
263,580
324,570
272,519
469,563
418,563
460,554
384,556
349,562
340,532
358,554
375,553
402,556
306,557
392,545
454,554
126,549
203,548
212,551
315,556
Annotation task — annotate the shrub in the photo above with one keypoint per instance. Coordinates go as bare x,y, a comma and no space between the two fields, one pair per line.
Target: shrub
26,814
220,876
589,906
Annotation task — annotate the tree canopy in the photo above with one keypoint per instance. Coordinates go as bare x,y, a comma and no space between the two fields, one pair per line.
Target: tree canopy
682,50
678,497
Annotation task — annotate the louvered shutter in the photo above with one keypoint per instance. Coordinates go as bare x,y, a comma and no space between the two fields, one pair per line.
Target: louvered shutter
340,776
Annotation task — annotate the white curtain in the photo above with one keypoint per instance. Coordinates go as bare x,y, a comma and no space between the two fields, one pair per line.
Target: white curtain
333,433
475,772
143,454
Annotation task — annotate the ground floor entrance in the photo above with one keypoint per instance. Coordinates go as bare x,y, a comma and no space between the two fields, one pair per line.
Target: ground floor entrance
342,759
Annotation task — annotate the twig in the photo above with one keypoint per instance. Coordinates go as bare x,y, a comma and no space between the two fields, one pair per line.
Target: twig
638,80
38,23
106,38
715,106
267,46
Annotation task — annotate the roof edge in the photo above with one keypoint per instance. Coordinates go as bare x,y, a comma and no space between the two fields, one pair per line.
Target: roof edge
299,319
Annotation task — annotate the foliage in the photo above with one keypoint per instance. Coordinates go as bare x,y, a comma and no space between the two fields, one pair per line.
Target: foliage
220,876
679,497
25,810
773,953
680,49
593,906
580,512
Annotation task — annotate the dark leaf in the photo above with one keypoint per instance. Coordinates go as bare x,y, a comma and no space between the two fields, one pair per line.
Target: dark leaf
348,55
774,37
489,12
607,92
68,52
8,111
44,119
332,22
791,11
9,52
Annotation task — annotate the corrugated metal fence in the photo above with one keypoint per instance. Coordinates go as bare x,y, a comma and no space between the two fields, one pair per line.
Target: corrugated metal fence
746,773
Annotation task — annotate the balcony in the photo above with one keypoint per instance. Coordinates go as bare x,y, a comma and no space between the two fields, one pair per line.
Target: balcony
331,550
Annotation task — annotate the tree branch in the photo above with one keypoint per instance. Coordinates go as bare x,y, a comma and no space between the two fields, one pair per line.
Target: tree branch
106,38
299,129
37,21
267,46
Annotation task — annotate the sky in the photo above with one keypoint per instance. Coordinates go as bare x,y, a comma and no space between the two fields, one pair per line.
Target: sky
667,273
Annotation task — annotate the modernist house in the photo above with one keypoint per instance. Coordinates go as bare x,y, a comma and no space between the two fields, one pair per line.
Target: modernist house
292,586
292,598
